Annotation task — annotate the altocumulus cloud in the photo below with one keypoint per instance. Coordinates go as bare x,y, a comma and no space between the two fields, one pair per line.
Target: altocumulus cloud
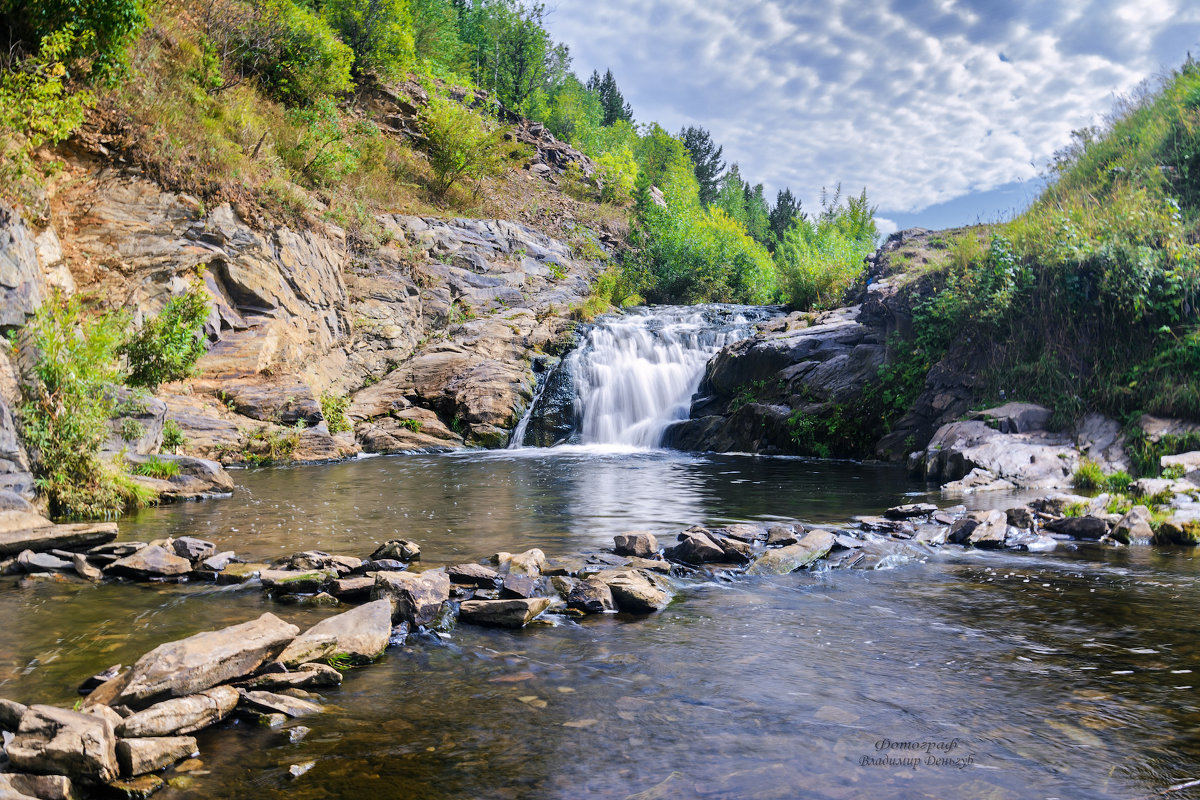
921,101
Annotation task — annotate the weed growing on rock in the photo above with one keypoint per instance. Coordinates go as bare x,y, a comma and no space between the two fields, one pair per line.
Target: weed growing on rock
156,468
168,345
333,408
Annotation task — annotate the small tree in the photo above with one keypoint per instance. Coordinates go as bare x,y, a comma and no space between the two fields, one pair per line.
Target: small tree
380,32
168,345
461,143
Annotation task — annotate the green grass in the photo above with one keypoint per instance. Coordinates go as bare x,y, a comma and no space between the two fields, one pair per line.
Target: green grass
156,468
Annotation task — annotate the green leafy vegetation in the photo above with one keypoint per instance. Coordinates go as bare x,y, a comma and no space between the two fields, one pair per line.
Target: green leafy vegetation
168,345
461,143
1089,476
333,408
156,468
819,260
413,425
173,436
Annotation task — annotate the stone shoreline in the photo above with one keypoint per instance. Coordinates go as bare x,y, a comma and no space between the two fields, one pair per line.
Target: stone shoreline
133,725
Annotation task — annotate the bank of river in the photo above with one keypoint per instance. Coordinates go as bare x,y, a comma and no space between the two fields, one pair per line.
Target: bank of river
1059,675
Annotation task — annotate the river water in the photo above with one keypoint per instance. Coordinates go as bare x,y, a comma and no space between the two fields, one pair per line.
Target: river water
1060,675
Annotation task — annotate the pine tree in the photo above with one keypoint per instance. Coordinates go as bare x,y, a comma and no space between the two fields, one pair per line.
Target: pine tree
785,212
611,99
706,160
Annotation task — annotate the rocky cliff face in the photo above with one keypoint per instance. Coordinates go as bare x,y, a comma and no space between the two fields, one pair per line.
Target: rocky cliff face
431,333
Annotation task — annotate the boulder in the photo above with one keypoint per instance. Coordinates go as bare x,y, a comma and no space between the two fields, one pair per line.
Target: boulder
515,586
218,562
964,527
271,703
744,532
18,786
361,634
813,545
139,756
910,510
31,562
1021,517
591,596
473,575
180,668
528,563
1033,459
193,549
10,715
352,588
635,591
696,546
1180,532
1079,527
294,581
62,742
415,598
181,715
503,613
991,531
780,535
398,550
1135,525
85,568
641,544
150,562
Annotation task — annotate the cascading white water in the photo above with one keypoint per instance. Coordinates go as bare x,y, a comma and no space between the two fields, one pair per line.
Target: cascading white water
635,373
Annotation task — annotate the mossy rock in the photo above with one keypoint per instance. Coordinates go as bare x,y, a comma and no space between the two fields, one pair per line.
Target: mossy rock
1175,532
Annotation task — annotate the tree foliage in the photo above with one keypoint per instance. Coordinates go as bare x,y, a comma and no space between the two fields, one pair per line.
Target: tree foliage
102,29
819,260
613,104
380,32
706,161
168,345
461,143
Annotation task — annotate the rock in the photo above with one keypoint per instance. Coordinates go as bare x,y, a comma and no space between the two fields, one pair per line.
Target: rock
310,675
31,562
22,286
10,715
503,613
137,788
17,786
978,480
1035,460
991,532
240,572
516,586
193,549
591,596
399,550
813,545
1079,527
1016,417
735,550
744,532
1134,526
271,703
696,546
283,401
361,634
1021,517
634,591
283,580
1187,463
54,740
186,666
911,510
316,560
641,544
150,562
779,535
473,575
528,563
843,541
416,599
20,530
1178,532
995,525
218,562
139,756
383,565
181,714
352,588
85,569
97,680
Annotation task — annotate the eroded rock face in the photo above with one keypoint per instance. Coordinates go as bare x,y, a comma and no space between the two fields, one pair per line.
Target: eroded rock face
189,665
182,714
21,285
55,740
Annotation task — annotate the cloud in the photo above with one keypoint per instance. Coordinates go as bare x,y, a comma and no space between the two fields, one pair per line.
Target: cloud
920,101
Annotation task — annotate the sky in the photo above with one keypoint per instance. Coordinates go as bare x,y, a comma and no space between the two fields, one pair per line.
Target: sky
945,111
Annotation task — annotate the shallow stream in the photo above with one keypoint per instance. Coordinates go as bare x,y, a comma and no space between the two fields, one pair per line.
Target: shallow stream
1066,675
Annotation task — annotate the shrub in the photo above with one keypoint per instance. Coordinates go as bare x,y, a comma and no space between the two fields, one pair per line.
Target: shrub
291,50
323,145
173,437
380,32
819,260
105,28
413,425
617,172
461,143
36,108
333,408
66,404
168,345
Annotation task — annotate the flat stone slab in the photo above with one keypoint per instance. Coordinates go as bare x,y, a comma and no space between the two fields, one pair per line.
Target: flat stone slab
271,703
184,667
503,613
23,531
813,545
361,634
139,756
182,714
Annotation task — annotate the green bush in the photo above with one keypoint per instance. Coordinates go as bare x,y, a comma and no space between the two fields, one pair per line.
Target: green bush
173,437
617,172
462,143
293,51
380,32
819,260
104,28
67,399
168,345
333,408
36,108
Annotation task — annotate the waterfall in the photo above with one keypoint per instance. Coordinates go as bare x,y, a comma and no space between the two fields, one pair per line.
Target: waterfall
632,375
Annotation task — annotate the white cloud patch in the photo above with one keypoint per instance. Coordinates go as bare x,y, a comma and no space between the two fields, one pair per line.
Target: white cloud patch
912,99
